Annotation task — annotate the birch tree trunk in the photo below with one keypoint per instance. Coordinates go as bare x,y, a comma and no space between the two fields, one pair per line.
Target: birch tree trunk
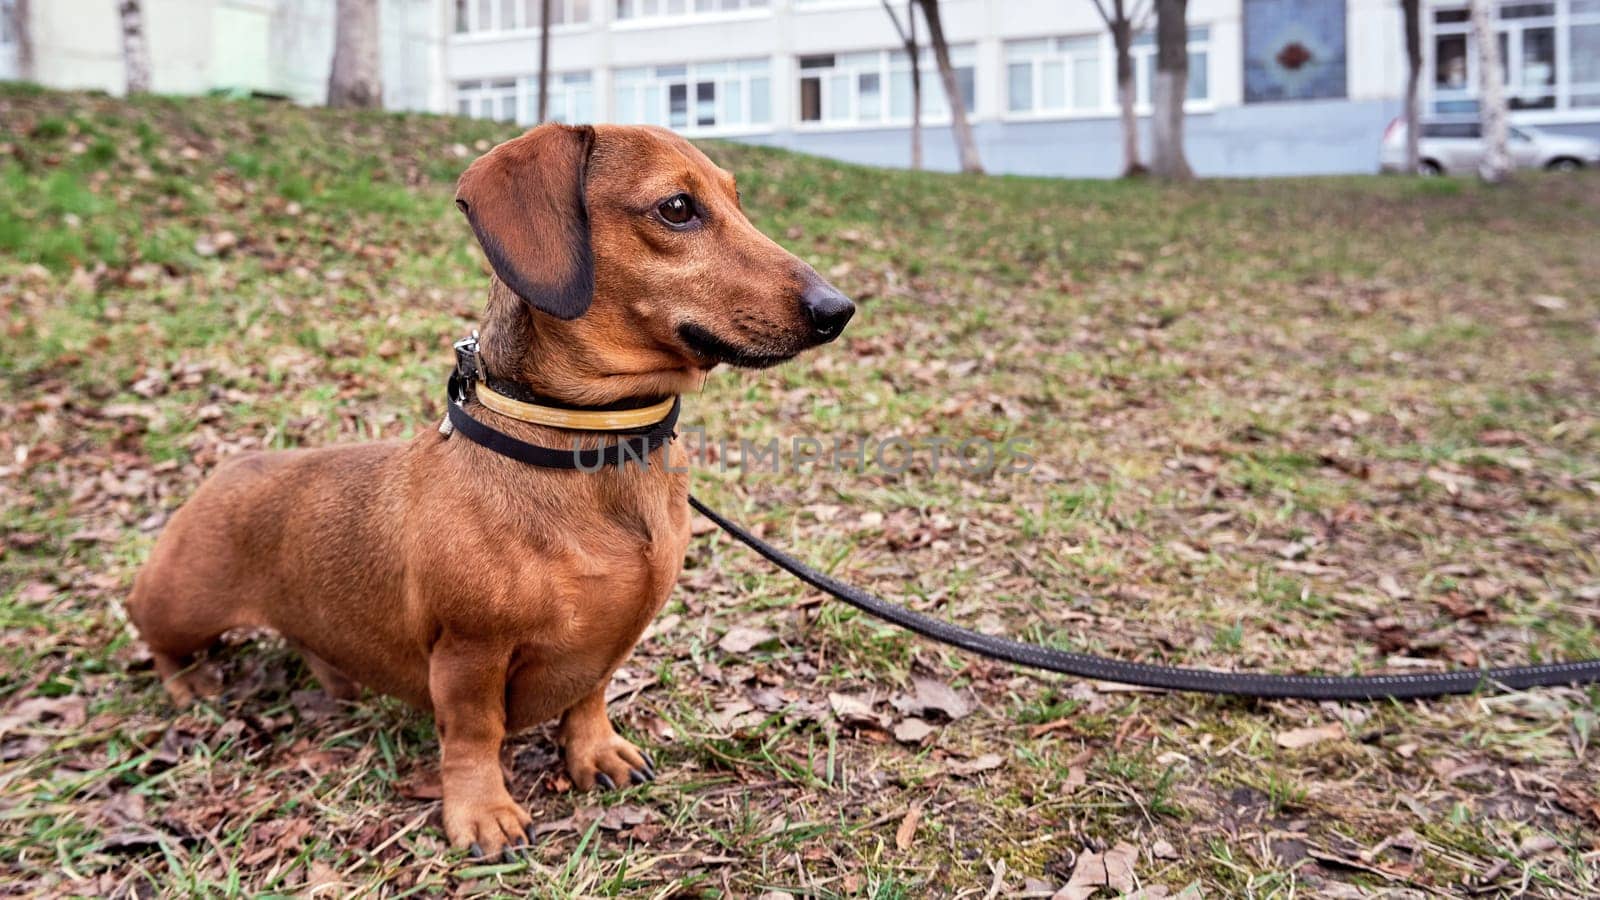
908,39
1167,94
1412,13
22,27
916,88
135,51
1496,164
965,143
355,79
544,61
1127,93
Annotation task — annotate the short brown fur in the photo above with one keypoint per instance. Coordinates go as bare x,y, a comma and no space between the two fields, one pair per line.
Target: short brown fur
494,594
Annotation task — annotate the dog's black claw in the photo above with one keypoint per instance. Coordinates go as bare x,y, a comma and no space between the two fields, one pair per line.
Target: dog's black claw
649,763
649,771
605,781
476,850
528,831
637,777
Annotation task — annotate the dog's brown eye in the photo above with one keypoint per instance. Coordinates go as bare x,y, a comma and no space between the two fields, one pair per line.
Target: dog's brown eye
677,210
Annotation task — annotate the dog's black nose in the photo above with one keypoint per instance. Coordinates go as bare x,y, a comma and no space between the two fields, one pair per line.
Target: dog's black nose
827,309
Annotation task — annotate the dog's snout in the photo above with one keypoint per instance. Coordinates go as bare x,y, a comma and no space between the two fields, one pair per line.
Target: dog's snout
826,309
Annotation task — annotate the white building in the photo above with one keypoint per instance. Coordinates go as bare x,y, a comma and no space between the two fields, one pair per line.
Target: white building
276,47
1276,86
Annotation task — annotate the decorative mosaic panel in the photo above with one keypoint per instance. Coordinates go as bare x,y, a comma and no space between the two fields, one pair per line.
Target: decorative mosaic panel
1293,50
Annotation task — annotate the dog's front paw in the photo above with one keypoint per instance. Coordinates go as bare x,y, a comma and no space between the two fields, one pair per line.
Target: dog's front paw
486,827
608,762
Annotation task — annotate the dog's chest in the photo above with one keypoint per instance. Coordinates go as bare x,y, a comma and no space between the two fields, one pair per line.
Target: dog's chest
597,603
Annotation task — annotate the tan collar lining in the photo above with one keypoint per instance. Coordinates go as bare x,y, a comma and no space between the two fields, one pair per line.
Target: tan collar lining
576,419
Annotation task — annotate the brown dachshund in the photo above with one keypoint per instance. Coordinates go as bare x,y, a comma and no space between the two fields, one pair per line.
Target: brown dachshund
494,594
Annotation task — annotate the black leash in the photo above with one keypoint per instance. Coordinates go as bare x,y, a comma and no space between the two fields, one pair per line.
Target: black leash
1172,678
637,447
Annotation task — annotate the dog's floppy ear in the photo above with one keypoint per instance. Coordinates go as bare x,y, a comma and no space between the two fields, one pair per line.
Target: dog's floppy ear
525,201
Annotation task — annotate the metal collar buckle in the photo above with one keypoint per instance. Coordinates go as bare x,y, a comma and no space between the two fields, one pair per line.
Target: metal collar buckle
468,367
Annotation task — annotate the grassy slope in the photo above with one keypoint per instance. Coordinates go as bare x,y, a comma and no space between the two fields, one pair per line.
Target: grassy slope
1291,425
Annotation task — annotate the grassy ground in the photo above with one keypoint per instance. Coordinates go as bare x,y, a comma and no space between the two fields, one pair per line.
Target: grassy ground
1319,425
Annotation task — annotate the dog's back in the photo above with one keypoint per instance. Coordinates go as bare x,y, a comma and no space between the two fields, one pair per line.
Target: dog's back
279,539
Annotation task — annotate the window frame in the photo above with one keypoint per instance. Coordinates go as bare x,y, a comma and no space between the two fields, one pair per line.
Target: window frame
1200,40
886,68
1563,20
495,31
690,15
523,90
690,80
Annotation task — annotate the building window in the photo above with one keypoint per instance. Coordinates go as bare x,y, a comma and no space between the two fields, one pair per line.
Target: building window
487,99
1054,75
1537,77
517,99
874,88
571,99
656,9
702,97
474,16
8,12
1077,74
1144,66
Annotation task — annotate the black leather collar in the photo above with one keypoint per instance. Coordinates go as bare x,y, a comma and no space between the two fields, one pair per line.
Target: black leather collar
631,447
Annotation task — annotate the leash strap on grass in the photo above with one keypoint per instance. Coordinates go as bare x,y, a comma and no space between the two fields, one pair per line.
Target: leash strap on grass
1172,678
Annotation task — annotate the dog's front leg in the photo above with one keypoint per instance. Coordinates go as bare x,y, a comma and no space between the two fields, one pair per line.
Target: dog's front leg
595,754
467,686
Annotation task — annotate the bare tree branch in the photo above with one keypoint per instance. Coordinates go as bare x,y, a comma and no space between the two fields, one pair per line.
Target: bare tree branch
900,29
1139,18
1101,9
909,39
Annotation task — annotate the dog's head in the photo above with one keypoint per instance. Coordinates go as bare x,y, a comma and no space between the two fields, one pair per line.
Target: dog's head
631,242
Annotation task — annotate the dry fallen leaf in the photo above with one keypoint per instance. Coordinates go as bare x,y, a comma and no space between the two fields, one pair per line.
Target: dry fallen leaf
932,698
912,731
423,784
983,763
906,834
727,714
626,815
69,712
1296,738
740,639
1112,869
854,711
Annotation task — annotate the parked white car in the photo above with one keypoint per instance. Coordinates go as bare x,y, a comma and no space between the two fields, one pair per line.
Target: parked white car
1456,146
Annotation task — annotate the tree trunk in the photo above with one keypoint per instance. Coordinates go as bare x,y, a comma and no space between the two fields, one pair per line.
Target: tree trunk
952,90
1411,11
21,26
1496,165
908,39
1171,86
356,79
135,52
544,61
916,89
1127,93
